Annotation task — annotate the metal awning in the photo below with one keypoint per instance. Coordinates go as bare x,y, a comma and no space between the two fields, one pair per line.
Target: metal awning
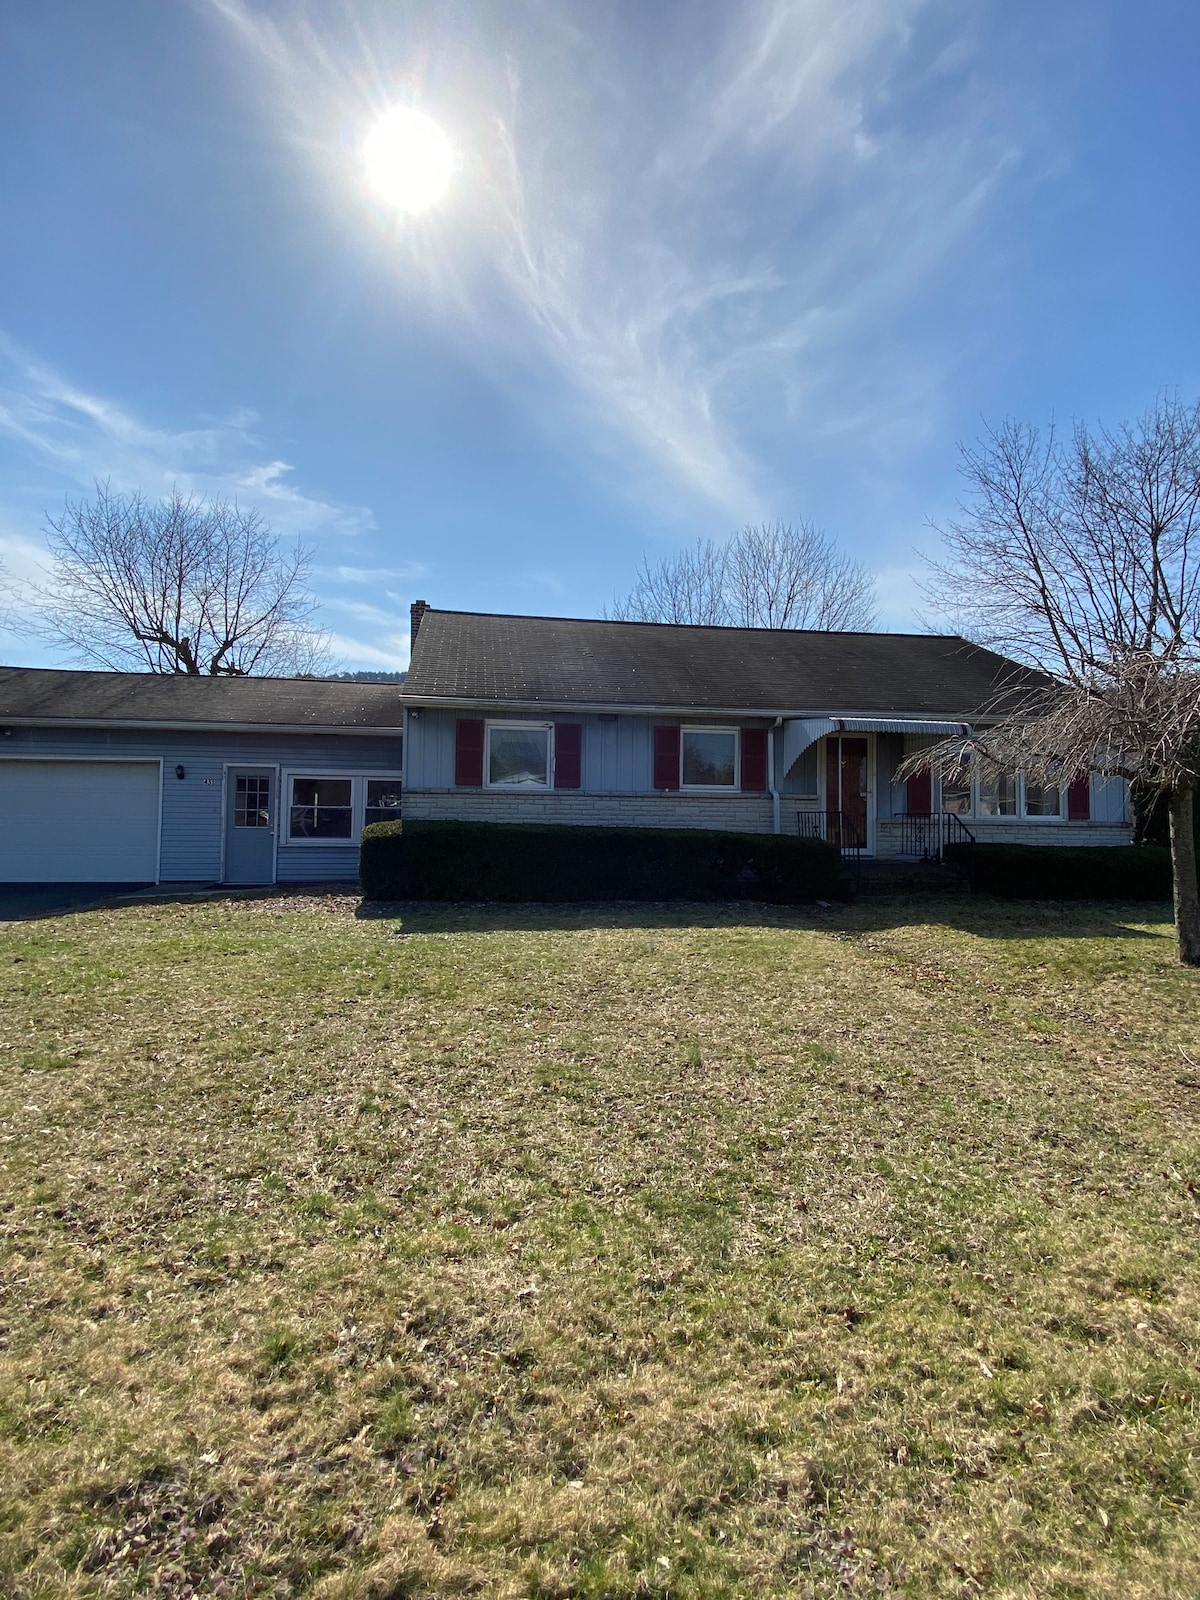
800,732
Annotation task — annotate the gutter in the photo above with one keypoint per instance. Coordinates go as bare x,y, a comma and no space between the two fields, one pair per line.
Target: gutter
354,729
774,729
625,708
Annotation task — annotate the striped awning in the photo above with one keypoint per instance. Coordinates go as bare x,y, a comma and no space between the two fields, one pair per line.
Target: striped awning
800,732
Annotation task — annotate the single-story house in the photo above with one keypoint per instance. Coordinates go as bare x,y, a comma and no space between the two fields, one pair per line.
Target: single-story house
641,724
115,777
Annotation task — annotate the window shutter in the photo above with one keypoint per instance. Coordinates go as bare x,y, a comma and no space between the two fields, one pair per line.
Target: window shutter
1079,799
920,794
666,758
568,755
468,752
754,759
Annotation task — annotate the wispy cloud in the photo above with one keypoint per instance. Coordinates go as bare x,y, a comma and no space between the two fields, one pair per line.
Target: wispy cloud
706,221
86,436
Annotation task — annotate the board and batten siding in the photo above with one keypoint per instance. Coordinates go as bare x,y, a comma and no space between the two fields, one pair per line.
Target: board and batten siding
617,752
192,807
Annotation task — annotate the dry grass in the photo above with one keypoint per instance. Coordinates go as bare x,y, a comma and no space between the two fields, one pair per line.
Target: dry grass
640,1253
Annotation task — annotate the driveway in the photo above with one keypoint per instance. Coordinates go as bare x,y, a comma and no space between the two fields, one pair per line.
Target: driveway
26,902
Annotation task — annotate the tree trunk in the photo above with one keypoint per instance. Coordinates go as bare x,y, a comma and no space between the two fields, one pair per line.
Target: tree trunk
1183,869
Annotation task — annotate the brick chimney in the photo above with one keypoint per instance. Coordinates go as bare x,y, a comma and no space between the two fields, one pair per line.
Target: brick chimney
415,612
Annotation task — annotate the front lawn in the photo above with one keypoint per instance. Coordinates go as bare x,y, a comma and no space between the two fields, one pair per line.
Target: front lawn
599,1252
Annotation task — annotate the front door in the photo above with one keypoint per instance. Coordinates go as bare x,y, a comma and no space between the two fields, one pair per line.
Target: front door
846,792
250,825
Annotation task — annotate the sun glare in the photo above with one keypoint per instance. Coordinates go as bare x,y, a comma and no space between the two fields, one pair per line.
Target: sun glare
408,159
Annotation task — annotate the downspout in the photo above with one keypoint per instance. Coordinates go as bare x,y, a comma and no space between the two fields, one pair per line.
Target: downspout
774,729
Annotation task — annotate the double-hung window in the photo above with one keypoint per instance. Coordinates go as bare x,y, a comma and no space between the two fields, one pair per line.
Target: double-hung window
333,808
517,755
708,758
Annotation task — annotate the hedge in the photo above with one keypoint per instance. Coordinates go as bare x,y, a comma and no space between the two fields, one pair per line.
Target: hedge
535,861
1066,872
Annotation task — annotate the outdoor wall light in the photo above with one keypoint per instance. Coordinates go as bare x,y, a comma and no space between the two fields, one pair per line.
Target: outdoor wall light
179,772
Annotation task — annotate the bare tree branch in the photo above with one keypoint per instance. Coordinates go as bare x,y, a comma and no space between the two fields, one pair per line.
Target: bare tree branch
1082,557
176,586
769,575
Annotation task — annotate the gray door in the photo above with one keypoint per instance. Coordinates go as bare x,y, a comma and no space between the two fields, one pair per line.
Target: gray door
250,825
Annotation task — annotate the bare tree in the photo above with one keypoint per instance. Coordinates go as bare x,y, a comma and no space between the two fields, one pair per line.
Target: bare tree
1081,556
768,575
686,587
179,585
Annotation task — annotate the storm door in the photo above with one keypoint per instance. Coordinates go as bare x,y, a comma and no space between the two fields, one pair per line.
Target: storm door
846,778
250,825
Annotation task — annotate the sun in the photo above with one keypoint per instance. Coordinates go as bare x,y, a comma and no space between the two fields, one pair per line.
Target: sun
408,159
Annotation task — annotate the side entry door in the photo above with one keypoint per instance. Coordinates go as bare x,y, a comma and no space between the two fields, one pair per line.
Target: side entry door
250,805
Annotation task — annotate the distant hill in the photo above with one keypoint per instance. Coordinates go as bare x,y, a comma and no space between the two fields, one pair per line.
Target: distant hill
368,677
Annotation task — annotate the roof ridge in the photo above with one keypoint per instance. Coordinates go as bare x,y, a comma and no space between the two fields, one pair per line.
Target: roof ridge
709,627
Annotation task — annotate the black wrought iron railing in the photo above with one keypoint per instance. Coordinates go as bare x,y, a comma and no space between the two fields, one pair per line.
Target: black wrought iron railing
842,828
926,837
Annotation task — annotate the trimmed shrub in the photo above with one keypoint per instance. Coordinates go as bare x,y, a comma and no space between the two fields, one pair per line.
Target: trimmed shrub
1066,872
536,861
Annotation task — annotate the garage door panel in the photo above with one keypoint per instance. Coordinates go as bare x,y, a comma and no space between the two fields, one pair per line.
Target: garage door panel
79,821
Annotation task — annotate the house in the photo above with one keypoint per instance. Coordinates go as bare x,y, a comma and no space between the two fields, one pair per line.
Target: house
113,777
636,724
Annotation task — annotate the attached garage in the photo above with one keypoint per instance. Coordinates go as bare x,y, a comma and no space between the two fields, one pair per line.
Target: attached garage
79,821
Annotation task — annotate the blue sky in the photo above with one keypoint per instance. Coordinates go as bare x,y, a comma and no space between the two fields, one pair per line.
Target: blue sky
699,264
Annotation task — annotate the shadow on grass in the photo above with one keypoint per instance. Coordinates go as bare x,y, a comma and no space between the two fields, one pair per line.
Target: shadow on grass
979,915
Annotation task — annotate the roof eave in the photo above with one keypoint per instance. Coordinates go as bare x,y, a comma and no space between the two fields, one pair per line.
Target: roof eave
631,708
168,726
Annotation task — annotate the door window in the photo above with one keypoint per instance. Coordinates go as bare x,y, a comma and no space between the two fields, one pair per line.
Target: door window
252,803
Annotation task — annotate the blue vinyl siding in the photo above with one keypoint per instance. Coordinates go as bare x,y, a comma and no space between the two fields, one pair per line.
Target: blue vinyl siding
192,811
617,750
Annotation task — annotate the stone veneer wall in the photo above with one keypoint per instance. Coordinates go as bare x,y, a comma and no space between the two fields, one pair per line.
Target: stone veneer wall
744,813
888,835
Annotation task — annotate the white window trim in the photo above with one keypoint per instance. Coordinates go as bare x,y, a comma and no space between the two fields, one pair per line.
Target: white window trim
512,727
358,805
712,788
1008,820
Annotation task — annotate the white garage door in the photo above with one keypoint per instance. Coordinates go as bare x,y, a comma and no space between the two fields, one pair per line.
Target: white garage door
79,821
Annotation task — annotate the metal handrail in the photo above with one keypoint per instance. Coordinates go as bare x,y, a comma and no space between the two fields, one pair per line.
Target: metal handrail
926,836
838,827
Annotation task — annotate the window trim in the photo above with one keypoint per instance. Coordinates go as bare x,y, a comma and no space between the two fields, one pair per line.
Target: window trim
1007,820
358,805
508,725
712,788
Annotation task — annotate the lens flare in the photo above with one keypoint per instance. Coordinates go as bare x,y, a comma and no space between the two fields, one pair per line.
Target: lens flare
408,159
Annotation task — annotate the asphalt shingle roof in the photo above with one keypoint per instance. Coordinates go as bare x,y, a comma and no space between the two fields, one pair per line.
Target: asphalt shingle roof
41,694
468,656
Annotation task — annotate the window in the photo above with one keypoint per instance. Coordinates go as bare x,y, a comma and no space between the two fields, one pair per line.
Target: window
322,808
331,808
383,800
956,793
252,803
517,755
997,792
1042,800
709,758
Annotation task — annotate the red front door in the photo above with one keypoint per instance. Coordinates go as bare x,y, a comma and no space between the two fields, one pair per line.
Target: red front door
846,792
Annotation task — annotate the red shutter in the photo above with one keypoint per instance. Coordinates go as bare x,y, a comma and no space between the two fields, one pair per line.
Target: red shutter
568,755
1079,799
666,758
468,752
754,759
920,794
